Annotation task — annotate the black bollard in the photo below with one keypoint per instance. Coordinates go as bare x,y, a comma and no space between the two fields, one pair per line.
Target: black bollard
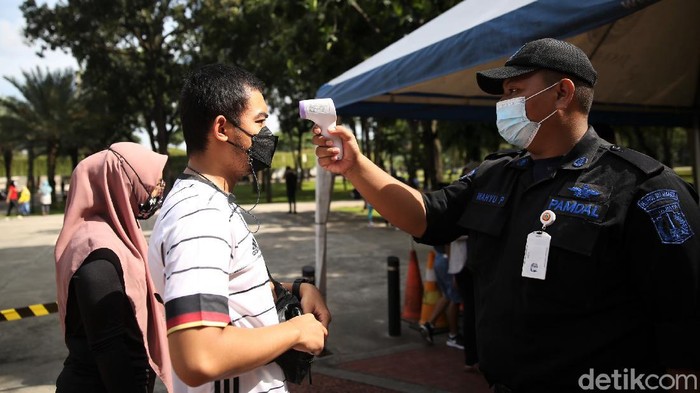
393,296
309,273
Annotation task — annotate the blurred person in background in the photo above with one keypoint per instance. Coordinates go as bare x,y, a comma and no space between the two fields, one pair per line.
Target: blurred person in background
45,197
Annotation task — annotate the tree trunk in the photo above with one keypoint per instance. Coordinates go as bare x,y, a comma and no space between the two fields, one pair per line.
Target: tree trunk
354,126
73,153
643,145
437,154
51,157
430,179
30,168
365,138
7,156
378,148
412,160
666,141
161,126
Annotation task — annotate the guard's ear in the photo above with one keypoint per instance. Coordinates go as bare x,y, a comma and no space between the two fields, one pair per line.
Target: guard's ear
565,93
218,128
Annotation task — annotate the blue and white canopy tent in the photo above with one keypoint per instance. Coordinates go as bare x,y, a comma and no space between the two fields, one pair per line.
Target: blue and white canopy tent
646,52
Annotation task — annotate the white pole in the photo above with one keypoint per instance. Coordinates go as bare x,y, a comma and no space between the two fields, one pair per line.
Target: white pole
324,188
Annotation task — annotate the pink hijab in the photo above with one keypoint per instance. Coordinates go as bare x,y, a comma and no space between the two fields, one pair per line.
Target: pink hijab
100,213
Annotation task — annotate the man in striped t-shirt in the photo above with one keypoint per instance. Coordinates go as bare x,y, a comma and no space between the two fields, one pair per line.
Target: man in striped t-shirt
223,329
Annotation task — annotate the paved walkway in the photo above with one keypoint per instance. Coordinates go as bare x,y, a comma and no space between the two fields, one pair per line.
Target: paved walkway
362,357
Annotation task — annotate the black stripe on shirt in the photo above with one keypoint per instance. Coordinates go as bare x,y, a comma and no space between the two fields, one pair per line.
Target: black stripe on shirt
253,316
197,238
250,288
196,268
200,210
177,203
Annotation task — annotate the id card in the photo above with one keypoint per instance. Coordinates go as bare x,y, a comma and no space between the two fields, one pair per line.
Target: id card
536,253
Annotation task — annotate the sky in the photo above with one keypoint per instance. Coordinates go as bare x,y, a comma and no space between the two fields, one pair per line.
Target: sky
16,55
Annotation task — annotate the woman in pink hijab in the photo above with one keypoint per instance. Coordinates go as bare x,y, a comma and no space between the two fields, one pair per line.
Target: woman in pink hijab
113,321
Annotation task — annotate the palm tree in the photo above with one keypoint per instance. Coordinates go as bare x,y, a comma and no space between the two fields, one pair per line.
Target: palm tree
46,113
11,137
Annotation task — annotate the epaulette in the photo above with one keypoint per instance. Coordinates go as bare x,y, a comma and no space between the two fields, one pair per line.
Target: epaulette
641,161
503,153
491,160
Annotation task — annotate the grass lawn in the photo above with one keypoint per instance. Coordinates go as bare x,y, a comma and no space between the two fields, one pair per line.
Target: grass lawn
245,195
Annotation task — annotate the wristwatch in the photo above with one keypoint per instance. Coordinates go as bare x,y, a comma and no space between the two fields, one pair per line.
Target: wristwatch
295,286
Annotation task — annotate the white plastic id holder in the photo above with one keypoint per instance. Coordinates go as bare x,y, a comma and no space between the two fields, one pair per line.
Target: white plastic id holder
536,253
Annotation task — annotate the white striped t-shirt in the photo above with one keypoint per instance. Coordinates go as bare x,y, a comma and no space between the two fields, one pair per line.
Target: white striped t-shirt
211,272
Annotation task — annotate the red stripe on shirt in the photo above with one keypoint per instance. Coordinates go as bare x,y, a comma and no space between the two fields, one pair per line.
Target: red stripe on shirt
208,316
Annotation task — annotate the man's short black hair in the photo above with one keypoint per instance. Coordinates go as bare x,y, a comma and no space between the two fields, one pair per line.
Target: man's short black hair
210,91
583,94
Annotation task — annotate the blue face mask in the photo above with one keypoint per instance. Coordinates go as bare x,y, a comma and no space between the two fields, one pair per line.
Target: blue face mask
512,121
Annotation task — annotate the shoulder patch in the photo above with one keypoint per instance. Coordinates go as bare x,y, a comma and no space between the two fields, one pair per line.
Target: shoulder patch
643,162
665,211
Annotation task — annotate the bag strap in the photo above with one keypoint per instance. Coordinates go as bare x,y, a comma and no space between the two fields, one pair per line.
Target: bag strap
279,289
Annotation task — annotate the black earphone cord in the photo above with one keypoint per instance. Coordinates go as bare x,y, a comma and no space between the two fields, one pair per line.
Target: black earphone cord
231,198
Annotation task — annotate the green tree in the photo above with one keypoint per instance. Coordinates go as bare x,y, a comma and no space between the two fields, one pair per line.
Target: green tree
46,111
468,142
10,138
132,51
666,144
296,46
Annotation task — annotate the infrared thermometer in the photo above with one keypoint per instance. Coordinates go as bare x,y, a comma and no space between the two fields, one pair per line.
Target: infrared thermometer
322,112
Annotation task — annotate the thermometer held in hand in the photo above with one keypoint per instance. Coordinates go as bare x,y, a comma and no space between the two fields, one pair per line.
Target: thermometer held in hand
322,112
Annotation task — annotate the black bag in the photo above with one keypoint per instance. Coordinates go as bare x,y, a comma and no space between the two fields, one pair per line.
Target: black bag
295,364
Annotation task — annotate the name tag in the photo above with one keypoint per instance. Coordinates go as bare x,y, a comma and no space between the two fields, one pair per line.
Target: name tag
490,198
536,254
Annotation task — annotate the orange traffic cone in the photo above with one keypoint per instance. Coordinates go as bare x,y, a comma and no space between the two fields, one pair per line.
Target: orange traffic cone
431,294
413,294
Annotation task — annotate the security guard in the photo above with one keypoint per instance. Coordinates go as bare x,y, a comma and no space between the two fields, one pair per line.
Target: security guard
586,255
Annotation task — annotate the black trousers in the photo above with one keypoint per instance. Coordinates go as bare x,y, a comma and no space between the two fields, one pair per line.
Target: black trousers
466,288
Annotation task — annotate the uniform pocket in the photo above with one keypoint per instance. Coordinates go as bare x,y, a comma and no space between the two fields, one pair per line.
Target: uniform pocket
569,285
484,224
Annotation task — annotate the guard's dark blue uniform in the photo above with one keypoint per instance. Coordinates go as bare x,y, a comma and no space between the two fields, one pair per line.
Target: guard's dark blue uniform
622,282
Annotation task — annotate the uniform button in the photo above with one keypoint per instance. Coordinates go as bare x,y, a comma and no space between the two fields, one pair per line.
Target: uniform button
615,148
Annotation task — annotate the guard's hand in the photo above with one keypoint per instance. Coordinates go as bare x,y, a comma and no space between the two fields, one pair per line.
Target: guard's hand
327,153
312,302
312,334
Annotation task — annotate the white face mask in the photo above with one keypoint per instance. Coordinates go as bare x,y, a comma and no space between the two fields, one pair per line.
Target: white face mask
513,123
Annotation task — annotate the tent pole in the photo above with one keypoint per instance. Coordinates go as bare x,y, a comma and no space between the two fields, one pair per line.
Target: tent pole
324,190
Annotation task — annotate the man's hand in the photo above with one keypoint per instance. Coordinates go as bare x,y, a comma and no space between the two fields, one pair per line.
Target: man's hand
312,334
400,204
312,302
327,153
